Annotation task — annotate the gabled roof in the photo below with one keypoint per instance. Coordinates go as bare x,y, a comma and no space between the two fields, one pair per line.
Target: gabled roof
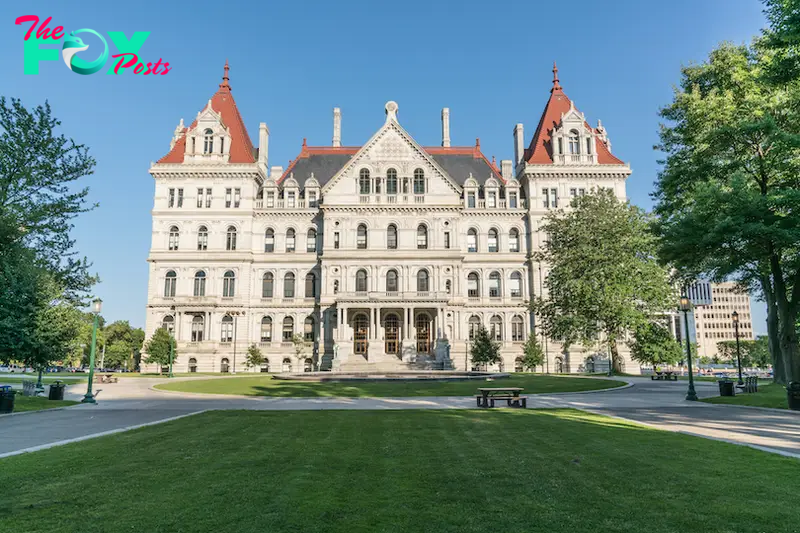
241,149
540,151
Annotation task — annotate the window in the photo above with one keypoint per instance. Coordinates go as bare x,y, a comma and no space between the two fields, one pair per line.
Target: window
228,284
392,332
198,327
208,198
336,240
581,192
199,283
446,240
312,198
588,145
560,145
391,281
288,285
170,281
512,200
573,192
422,281
288,329
271,199
180,197
574,143
361,281
208,141
237,197
515,285
545,198
422,237
494,285
553,197
496,328
168,323
200,198
202,238
391,181
174,236
171,198
311,241
290,240
471,200
290,196
230,241
266,329
513,240
226,331
391,237
474,324
308,329
363,181
473,288
423,324
419,181
448,286
493,240
311,285
287,365
377,185
267,285
192,365
336,287
360,333
472,240
491,200
361,237
228,197
269,240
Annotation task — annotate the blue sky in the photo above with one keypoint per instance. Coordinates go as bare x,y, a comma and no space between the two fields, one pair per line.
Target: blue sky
292,62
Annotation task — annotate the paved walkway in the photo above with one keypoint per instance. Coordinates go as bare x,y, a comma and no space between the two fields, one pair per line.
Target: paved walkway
132,403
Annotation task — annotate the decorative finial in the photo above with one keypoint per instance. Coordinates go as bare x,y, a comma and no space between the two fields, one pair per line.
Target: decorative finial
494,161
304,143
478,144
225,78
556,85
391,111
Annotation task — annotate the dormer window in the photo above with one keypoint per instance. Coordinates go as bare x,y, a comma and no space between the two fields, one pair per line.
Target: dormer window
574,142
363,181
419,181
208,141
588,145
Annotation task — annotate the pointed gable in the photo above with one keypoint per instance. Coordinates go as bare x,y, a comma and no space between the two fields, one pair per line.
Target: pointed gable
241,148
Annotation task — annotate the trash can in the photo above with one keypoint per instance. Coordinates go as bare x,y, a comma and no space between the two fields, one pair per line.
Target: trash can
57,391
726,387
7,395
793,395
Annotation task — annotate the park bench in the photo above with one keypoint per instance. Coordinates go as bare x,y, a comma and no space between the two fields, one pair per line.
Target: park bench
487,396
107,378
28,387
750,384
668,376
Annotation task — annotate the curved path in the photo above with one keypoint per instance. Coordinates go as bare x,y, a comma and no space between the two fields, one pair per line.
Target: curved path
133,403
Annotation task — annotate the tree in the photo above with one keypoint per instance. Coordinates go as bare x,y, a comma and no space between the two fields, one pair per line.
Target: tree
484,350
754,353
158,348
727,195
654,345
299,344
532,354
604,276
254,357
123,343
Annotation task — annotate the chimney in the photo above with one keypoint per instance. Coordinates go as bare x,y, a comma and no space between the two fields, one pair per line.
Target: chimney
276,172
337,127
507,169
446,127
263,146
519,143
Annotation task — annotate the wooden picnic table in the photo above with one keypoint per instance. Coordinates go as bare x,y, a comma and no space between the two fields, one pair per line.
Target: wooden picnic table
489,394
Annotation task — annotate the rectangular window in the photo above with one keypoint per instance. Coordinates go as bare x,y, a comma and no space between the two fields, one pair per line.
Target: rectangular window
270,199
208,197
290,200
560,145
573,192
377,185
447,240
228,197
472,287
491,201
312,199
554,197
545,198
512,200
199,198
171,200
472,242
588,145
336,240
180,197
581,192
237,197
494,287
471,200
517,331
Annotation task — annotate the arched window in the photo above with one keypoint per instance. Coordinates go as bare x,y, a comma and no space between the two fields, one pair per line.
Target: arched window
230,241
574,142
494,285
493,246
290,240
170,281
496,328
419,181
266,329
472,240
224,365
391,181
198,327
311,241
311,285
515,285
473,285
288,285
308,329
265,365
208,141
391,281
192,365
269,240
267,285
361,237
202,238
422,281
474,324
513,240
308,365
363,181
288,329
391,237
361,281
422,237
168,323
226,331
174,236
228,284
199,283
517,329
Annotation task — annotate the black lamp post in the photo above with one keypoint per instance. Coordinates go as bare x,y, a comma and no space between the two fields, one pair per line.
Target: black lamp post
738,349
686,306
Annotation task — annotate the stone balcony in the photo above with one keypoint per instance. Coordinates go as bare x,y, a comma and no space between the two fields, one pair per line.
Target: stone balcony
393,296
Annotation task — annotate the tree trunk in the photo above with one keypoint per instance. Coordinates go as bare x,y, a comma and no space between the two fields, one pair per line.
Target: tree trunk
773,335
615,359
787,319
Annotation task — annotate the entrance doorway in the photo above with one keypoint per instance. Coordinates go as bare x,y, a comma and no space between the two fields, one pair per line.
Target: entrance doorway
392,330
361,333
423,323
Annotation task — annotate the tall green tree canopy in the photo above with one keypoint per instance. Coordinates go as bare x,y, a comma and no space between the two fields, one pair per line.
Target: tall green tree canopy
654,345
158,348
484,350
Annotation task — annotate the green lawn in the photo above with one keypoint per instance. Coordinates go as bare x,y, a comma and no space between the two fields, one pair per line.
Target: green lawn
769,395
36,403
454,471
265,385
7,380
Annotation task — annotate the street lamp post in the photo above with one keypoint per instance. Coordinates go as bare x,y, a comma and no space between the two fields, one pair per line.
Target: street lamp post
97,306
686,306
738,350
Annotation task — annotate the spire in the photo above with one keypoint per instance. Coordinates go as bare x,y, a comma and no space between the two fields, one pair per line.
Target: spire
225,79
556,85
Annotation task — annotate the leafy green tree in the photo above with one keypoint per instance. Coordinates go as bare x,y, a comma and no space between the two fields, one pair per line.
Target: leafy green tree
532,354
484,350
604,278
654,345
123,344
754,353
299,344
254,358
158,348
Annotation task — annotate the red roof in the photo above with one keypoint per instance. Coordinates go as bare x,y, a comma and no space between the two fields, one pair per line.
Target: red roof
540,151
241,149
